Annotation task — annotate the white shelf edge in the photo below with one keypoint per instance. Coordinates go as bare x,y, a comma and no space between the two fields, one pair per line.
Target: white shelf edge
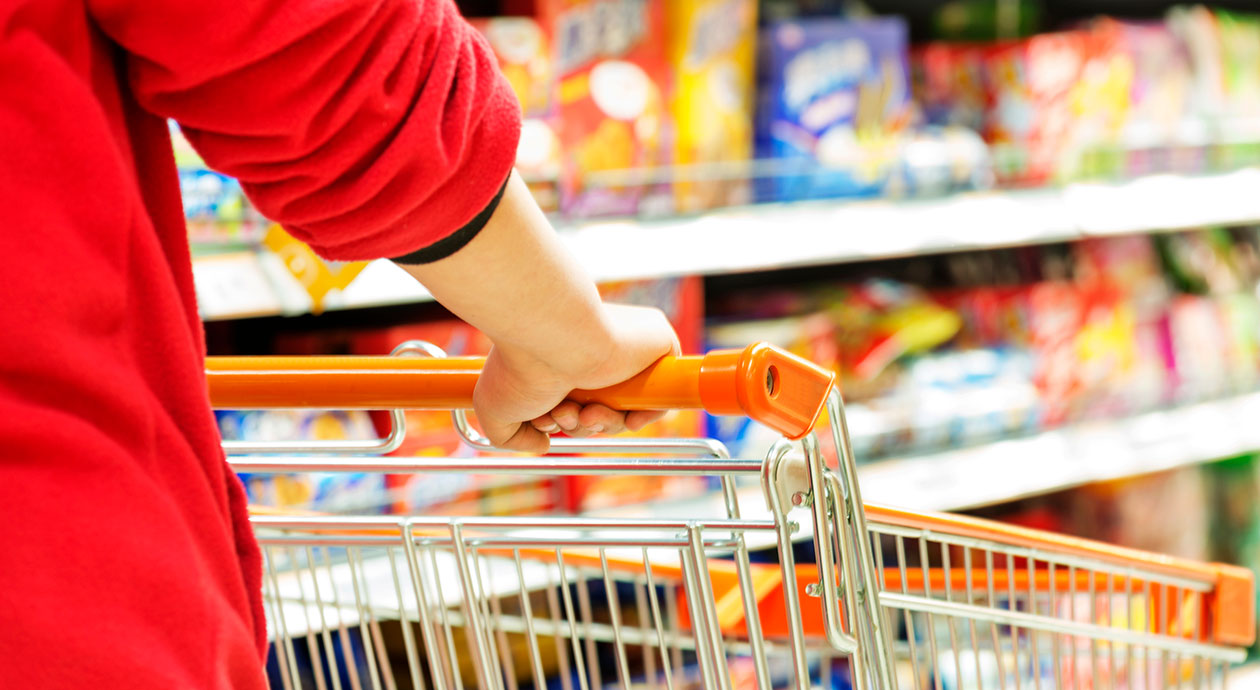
1067,457
816,233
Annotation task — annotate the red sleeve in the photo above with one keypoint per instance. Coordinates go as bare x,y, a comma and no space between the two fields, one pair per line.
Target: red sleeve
368,128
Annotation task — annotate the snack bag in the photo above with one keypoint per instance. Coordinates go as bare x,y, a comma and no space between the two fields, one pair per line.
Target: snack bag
611,112
834,100
711,55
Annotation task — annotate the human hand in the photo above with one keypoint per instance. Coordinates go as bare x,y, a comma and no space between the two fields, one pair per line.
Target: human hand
520,397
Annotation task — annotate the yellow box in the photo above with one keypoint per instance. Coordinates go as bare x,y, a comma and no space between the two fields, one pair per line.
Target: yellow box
712,50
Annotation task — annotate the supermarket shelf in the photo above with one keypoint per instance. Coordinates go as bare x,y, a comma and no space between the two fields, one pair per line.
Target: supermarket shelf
1068,457
1018,468
774,236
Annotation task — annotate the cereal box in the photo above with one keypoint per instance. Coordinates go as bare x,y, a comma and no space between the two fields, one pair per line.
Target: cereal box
834,97
611,102
949,83
1030,84
711,51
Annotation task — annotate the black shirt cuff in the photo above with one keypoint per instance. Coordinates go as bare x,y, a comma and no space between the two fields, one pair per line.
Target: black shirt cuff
456,240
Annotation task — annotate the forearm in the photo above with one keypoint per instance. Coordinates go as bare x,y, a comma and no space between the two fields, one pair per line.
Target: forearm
517,283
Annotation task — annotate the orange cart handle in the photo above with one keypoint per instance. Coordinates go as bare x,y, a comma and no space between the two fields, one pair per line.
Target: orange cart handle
771,386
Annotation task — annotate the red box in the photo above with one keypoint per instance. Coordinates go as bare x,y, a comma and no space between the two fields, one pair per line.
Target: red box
611,114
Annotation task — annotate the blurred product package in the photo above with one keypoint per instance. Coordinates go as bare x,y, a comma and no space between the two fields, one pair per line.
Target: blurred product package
712,56
524,54
612,110
834,100
1136,323
331,492
215,207
1029,87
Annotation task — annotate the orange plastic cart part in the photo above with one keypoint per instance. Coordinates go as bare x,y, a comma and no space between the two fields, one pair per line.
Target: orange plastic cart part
774,387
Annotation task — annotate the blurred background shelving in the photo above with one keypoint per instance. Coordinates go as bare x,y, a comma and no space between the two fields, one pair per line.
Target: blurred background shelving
1026,235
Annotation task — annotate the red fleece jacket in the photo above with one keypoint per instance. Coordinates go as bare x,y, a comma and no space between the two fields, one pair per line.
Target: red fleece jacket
369,128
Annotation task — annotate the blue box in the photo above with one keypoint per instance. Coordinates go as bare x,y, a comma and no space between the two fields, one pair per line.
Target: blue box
834,97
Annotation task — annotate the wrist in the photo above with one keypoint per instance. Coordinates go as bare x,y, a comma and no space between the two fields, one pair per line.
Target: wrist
575,355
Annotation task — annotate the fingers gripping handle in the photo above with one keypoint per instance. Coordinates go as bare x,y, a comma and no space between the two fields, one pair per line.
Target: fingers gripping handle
769,385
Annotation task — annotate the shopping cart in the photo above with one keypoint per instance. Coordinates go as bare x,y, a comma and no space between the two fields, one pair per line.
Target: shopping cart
880,598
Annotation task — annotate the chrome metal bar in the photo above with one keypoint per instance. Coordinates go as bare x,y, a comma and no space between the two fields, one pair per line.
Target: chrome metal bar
450,658
993,630
507,665
562,653
1056,650
704,653
343,636
708,607
409,642
347,523
377,446
791,596
854,511
909,619
422,607
614,612
700,447
1011,603
649,657
656,619
312,648
1045,555
584,609
1033,645
752,613
931,622
475,630
531,636
543,466
578,659
365,630
975,643
283,643
949,621
387,671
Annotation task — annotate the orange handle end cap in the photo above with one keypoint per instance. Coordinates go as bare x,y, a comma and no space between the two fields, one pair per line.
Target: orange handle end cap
1234,608
776,388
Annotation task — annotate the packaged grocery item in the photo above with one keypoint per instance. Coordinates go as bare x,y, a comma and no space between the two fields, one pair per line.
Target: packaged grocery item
525,58
711,53
1160,94
1162,513
933,161
949,83
1030,83
612,115
834,100
331,492
1239,35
